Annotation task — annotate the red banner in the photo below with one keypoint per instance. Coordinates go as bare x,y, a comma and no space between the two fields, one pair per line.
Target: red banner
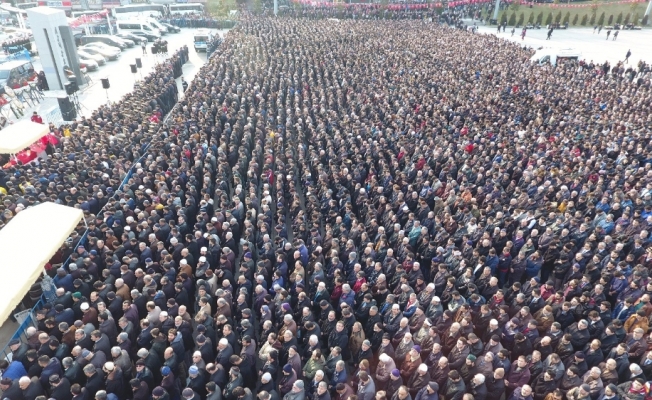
87,19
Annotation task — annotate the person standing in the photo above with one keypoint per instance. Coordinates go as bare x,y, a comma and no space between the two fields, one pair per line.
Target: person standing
549,33
143,44
523,33
36,118
615,35
608,33
629,53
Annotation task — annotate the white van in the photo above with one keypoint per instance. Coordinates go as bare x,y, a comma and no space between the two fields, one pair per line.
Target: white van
157,25
551,56
136,25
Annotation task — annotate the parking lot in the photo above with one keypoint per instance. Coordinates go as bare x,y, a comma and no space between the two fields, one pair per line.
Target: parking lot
121,80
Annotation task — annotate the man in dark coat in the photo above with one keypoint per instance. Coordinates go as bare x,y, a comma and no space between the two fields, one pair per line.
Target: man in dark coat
94,378
440,372
73,371
455,387
519,375
31,389
478,387
496,385
60,388
18,351
10,389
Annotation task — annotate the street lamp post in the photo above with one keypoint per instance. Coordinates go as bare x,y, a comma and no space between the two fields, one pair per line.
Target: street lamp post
497,7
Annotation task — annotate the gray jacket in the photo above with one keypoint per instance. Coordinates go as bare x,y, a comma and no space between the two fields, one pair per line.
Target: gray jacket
366,391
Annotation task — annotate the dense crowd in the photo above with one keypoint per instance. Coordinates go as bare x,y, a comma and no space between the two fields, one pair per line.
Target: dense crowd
353,210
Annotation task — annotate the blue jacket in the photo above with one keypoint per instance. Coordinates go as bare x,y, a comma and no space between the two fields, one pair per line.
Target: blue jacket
424,395
618,285
305,257
347,298
15,370
623,317
409,311
492,262
339,377
532,267
64,282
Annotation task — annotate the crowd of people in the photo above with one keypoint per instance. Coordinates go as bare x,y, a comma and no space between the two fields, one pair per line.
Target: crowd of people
352,210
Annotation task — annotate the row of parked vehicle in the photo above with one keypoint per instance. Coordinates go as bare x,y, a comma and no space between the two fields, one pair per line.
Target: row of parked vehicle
95,50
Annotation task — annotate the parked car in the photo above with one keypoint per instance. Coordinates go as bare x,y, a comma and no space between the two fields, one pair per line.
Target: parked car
98,58
90,65
149,35
16,73
132,37
106,39
108,52
171,28
129,42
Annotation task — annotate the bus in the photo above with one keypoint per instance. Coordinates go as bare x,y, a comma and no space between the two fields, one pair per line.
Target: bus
187,8
136,11
25,6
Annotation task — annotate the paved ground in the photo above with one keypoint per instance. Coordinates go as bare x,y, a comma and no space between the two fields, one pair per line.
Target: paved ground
120,77
592,46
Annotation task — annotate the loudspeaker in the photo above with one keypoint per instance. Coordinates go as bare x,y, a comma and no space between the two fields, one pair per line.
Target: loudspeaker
133,68
68,111
71,87
139,63
105,83
154,49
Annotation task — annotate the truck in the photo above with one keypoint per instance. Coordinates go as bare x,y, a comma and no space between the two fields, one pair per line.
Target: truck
201,38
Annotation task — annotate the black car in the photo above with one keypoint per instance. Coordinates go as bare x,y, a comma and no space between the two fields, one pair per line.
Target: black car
171,28
149,36
132,37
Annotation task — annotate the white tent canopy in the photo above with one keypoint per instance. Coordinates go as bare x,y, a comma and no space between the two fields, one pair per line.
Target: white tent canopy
22,134
27,243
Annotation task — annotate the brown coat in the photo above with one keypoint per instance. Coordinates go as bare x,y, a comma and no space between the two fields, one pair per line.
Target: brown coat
355,342
543,321
409,366
223,310
124,292
634,321
185,268
292,327
69,337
